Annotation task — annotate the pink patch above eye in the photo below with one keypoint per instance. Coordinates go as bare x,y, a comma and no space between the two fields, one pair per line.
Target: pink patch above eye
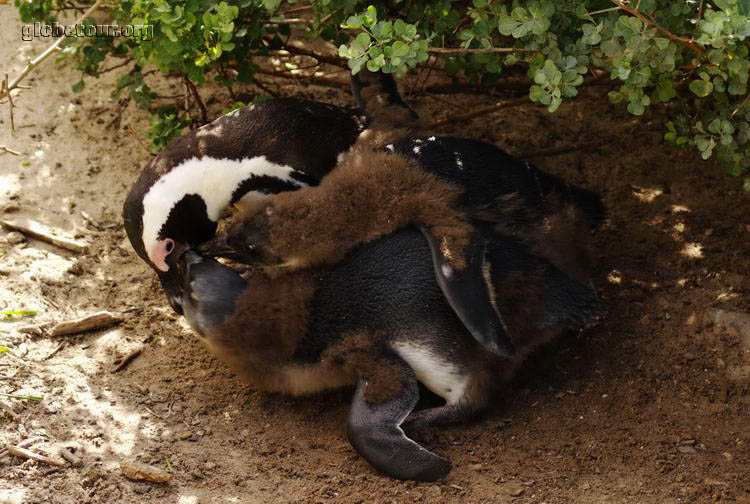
160,252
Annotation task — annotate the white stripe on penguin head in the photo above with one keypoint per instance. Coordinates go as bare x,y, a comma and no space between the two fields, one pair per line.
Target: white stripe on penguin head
214,180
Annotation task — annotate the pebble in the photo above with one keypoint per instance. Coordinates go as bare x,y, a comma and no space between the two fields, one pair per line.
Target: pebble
686,449
516,492
75,269
14,238
11,207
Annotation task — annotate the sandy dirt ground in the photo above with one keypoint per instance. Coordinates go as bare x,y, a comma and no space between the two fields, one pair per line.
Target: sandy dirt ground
650,406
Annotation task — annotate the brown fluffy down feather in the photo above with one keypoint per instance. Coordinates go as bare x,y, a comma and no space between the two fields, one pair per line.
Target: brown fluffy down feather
367,196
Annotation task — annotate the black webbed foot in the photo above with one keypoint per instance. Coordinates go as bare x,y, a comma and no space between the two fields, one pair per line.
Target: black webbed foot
449,414
467,291
374,431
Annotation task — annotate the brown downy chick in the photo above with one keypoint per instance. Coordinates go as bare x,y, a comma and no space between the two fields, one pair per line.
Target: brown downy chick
370,193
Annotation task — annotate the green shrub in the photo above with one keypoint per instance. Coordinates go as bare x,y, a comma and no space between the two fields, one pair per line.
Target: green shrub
688,57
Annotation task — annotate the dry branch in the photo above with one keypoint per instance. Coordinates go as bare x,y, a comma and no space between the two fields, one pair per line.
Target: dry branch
461,50
43,232
480,111
98,320
51,49
7,409
24,453
125,361
4,149
558,151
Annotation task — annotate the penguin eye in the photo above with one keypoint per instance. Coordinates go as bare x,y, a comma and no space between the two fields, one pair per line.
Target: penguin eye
169,245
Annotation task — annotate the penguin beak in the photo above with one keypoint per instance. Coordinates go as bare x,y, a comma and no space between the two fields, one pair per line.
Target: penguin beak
218,247
172,279
170,282
175,255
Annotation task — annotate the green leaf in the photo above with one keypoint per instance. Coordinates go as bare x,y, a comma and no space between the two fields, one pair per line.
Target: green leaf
362,41
78,86
701,87
19,313
23,397
615,96
400,49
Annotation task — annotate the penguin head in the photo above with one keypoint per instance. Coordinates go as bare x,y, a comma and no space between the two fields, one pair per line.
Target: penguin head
170,211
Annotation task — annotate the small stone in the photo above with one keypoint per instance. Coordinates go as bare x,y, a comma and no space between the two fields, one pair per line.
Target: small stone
11,207
686,449
141,488
184,435
727,456
516,492
14,238
75,269
209,466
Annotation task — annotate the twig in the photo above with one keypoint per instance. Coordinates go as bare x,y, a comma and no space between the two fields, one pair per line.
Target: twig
24,453
460,50
289,21
265,88
53,352
9,411
689,43
127,360
39,230
602,11
52,48
4,149
23,444
70,457
558,150
10,104
98,320
480,111
139,140
114,67
315,81
204,112
744,102
323,58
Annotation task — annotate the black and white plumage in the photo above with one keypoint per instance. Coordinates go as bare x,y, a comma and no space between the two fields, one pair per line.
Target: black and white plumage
251,153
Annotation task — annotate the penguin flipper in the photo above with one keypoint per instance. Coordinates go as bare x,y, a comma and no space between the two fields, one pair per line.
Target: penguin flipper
468,293
374,430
